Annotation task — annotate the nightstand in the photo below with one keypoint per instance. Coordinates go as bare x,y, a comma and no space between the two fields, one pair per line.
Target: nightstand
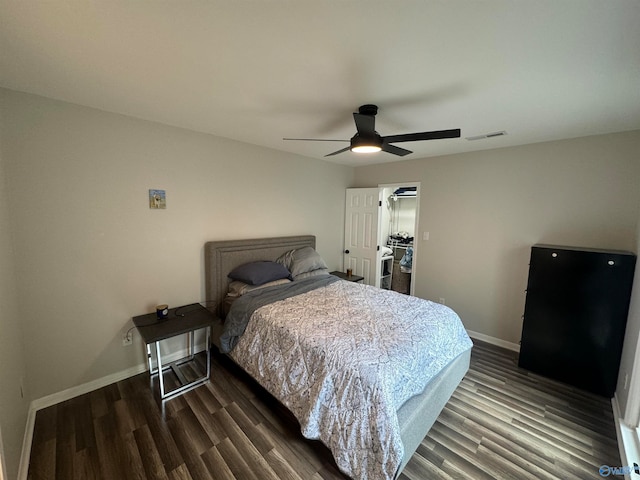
182,320
352,278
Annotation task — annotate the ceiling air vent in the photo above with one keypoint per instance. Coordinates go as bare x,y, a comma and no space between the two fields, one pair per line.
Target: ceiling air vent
487,135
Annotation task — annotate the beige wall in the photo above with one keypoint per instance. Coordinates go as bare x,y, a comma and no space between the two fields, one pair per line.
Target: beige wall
13,408
484,210
90,254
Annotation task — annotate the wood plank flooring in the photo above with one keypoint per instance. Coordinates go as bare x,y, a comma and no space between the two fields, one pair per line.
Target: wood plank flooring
502,422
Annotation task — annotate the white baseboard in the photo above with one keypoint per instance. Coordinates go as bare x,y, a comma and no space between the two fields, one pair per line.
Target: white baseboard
494,341
628,443
76,391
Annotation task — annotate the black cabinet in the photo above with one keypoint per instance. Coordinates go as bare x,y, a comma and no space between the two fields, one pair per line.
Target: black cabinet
575,315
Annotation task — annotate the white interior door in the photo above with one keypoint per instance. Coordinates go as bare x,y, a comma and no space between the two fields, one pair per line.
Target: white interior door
361,233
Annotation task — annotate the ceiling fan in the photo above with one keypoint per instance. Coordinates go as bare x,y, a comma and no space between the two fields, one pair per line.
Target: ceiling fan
367,140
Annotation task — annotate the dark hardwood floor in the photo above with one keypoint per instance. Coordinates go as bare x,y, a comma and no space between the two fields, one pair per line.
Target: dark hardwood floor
502,422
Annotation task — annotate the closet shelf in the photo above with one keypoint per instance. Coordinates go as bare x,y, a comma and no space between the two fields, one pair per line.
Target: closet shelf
400,245
386,271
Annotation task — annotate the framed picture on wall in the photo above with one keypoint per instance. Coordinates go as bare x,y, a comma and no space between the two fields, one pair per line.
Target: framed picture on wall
157,199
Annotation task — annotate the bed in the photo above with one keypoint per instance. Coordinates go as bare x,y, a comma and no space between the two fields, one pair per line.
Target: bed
376,438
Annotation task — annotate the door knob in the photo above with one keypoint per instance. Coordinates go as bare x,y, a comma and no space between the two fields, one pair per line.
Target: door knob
346,251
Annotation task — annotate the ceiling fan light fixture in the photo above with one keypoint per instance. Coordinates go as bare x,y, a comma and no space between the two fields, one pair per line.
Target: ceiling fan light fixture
366,149
365,145
367,140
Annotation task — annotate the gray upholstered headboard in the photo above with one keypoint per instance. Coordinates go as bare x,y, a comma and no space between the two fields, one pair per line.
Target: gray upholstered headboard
223,256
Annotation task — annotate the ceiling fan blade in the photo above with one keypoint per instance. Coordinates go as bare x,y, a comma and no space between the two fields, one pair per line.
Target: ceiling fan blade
316,139
366,124
395,150
414,137
345,149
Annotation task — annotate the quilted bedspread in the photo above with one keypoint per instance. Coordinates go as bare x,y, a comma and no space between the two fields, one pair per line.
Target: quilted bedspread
343,358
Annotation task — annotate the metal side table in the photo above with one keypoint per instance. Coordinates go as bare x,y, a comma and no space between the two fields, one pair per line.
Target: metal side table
181,320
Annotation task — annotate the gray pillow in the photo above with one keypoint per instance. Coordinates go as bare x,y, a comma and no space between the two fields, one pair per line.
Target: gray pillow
257,273
286,259
305,260
238,288
313,273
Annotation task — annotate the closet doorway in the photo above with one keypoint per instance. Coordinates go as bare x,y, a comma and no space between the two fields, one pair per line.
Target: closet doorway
398,227
380,233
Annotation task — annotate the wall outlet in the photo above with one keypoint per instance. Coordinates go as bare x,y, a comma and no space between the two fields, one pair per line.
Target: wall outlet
127,339
441,300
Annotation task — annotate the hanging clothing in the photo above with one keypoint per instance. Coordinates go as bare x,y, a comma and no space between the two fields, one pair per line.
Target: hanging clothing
407,261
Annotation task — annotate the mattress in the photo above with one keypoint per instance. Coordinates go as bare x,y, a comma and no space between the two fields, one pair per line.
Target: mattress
343,358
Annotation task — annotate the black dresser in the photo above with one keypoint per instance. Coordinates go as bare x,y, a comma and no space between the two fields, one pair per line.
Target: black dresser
575,315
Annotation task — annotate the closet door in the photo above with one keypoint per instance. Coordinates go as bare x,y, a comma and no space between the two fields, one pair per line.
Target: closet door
361,251
575,315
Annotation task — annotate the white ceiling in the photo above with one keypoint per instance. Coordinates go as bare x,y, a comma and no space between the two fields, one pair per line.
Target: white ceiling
258,71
